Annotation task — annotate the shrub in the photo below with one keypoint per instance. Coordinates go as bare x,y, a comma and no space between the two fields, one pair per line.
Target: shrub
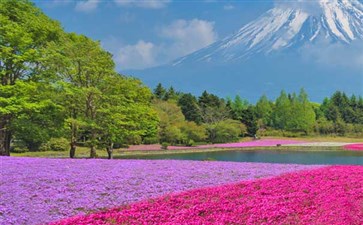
192,131
171,134
19,147
134,140
224,131
164,145
269,133
293,134
55,144
150,140
190,143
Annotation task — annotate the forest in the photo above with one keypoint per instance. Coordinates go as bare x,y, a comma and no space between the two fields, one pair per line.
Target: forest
226,120
61,90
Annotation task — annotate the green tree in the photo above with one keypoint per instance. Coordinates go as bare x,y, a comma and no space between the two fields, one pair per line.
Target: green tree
224,131
85,65
72,99
237,106
303,114
282,111
40,118
159,91
207,100
249,119
171,95
264,109
125,113
190,108
171,118
193,132
25,34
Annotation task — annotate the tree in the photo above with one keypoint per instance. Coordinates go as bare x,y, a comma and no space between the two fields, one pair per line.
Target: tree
193,132
72,99
159,91
264,109
171,118
249,119
224,131
207,100
238,106
190,108
25,34
303,114
85,65
282,111
170,95
125,113
40,119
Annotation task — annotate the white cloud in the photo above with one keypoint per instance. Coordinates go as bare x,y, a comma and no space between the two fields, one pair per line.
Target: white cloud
152,4
127,17
87,6
179,38
312,7
139,55
56,3
228,7
189,36
335,54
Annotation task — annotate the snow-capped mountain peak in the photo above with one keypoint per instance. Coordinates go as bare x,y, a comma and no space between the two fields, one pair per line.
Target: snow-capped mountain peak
286,25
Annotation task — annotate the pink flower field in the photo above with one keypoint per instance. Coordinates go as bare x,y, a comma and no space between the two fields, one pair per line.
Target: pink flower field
326,195
41,190
357,147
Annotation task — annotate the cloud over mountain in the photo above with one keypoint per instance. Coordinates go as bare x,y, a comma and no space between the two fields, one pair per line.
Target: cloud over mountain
180,37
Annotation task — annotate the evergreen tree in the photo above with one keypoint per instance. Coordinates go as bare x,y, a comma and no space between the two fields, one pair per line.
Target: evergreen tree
190,108
159,91
209,100
238,106
170,94
249,119
282,111
264,109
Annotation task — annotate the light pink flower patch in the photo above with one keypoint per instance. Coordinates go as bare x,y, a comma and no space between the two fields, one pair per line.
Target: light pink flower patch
356,147
328,195
258,143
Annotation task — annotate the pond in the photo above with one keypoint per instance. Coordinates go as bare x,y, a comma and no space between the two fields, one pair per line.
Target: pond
270,156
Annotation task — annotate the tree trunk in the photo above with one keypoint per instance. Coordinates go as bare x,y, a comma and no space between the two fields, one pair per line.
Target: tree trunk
110,151
5,138
73,137
72,151
93,152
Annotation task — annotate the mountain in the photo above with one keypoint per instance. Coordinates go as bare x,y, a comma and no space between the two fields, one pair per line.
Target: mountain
316,45
283,27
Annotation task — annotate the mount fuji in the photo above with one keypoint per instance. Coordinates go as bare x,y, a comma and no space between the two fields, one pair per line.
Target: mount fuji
316,45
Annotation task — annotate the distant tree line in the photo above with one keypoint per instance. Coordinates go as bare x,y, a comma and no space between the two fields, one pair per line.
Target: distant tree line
225,120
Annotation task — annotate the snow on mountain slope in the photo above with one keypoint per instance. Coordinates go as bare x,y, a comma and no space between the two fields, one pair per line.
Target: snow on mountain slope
287,26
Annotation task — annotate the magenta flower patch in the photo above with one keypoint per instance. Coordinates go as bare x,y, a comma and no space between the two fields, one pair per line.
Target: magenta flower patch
357,147
330,195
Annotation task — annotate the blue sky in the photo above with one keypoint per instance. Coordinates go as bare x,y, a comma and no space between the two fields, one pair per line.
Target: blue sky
142,34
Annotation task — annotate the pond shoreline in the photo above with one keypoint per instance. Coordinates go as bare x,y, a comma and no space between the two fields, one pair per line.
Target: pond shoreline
271,143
